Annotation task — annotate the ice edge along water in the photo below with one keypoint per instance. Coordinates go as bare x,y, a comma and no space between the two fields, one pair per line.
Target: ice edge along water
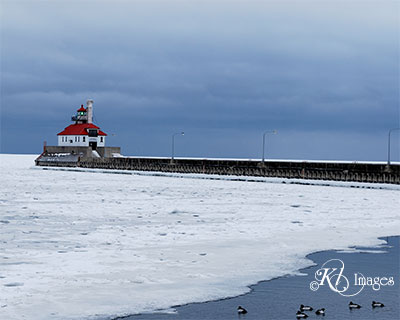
90,245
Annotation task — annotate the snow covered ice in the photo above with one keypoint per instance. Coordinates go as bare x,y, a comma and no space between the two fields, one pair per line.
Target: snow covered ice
76,245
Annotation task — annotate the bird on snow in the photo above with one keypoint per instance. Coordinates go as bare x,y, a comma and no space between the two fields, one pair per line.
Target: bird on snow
305,308
301,315
241,310
376,304
320,312
354,305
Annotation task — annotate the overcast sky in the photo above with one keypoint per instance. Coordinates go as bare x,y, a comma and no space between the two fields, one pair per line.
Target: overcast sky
325,74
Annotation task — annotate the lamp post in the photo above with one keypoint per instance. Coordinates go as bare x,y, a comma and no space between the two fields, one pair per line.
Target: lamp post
390,132
263,146
173,144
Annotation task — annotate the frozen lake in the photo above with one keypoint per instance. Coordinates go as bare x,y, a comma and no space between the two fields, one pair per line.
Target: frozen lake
78,245
280,298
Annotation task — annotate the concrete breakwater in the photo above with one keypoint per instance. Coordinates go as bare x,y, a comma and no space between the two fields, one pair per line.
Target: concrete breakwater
336,171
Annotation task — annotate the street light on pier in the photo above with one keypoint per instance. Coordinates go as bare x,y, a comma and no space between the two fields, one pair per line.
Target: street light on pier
173,144
390,132
263,146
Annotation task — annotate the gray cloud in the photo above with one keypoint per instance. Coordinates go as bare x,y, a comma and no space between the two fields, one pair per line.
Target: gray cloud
325,74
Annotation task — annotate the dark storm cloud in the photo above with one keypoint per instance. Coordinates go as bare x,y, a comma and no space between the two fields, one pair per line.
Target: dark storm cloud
324,74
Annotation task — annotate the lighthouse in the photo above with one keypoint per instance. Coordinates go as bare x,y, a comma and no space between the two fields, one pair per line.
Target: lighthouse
83,132
80,141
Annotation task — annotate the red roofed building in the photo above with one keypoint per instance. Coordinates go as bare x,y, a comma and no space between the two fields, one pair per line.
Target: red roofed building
83,133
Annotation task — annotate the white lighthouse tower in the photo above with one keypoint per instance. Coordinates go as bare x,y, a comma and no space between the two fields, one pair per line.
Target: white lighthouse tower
83,133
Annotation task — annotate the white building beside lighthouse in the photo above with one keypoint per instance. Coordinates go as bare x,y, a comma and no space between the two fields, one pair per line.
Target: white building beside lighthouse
83,133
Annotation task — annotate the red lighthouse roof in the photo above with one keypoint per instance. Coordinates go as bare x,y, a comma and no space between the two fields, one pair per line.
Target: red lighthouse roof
80,129
81,109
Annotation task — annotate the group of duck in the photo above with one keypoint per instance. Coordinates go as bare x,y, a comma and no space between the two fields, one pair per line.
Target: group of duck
320,312
301,315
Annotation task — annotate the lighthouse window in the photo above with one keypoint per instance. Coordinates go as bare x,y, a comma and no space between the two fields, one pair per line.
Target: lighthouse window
101,139
92,133
83,139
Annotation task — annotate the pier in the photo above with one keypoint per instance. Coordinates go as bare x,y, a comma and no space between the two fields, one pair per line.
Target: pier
315,170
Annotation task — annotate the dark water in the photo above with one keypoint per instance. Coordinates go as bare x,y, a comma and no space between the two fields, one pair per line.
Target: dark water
280,298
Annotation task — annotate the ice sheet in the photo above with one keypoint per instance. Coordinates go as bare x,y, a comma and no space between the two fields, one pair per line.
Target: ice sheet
76,245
